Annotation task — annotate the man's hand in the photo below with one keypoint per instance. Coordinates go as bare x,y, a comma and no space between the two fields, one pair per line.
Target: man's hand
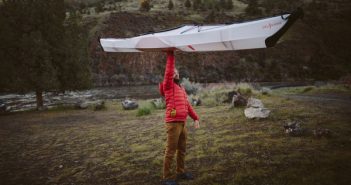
197,124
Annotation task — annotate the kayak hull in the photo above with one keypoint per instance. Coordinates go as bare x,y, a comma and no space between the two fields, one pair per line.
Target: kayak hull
257,34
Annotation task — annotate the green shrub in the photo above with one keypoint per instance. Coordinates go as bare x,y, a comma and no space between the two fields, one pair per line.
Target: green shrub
145,108
190,87
144,111
307,89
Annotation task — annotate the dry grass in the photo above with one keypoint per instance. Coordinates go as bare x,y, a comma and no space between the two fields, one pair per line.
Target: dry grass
117,147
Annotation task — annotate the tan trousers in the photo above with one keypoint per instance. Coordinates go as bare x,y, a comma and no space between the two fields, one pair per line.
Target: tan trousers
176,142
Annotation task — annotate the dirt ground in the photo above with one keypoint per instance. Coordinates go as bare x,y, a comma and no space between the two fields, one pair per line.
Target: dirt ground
113,146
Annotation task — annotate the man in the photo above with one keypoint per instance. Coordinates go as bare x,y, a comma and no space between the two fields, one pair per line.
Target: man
177,110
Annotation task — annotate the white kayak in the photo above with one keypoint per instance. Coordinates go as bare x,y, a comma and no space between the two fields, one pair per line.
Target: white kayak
256,34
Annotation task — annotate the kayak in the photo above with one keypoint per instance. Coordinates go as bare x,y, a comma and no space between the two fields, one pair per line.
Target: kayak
262,33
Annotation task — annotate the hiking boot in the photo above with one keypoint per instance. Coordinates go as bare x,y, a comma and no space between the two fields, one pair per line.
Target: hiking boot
185,176
169,182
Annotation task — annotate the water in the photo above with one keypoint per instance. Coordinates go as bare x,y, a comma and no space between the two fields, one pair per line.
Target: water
23,102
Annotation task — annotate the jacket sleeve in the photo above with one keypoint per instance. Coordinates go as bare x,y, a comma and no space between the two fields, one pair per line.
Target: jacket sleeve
169,71
192,113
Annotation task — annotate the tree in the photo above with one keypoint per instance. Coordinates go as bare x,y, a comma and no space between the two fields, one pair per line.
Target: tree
170,5
187,4
197,4
252,8
36,49
229,5
223,4
145,5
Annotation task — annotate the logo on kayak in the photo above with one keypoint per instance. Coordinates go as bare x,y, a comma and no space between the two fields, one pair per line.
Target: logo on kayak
270,25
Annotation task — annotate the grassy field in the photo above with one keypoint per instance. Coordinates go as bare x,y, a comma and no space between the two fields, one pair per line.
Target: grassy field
113,146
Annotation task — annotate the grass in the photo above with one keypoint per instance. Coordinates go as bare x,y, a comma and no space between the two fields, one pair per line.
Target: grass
117,147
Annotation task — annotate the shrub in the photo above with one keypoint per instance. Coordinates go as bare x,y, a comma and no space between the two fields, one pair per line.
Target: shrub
145,108
187,4
145,5
143,111
190,87
307,89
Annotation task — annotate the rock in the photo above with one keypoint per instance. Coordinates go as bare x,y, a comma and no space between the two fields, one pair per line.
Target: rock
195,101
129,104
159,103
238,101
230,96
293,128
43,108
3,107
322,132
253,112
266,91
61,166
256,103
99,105
81,105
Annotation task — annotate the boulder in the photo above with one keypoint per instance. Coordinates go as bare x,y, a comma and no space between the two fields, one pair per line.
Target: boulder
159,103
99,105
255,103
253,112
129,104
81,105
238,101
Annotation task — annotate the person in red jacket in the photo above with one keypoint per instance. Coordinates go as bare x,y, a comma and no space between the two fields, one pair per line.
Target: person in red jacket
177,110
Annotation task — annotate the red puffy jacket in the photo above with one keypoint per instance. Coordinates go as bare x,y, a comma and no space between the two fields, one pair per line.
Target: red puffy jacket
175,95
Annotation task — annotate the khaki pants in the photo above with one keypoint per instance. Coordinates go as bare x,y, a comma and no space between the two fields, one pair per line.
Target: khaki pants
176,142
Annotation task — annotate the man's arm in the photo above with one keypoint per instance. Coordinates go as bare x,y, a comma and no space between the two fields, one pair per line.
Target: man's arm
169,71
192,113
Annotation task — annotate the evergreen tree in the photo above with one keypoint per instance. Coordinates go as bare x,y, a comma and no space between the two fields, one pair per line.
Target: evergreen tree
197,4
170,5
39,52
252,8
187,4
229,5
222,4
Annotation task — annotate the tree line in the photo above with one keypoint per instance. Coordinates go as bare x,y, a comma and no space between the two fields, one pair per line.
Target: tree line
42,48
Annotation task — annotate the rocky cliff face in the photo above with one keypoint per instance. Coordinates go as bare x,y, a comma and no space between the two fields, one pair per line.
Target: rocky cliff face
316,47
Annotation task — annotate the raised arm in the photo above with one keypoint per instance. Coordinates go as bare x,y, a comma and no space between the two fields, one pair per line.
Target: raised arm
169,72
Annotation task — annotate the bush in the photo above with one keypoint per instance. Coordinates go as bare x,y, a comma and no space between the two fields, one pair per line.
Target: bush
145,108
143,111
145,6
190,87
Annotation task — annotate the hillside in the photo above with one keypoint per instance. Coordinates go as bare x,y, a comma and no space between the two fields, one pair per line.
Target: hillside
316,48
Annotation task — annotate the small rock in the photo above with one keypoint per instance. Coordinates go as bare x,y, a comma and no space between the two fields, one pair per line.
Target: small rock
256,103
42,108
129,104
99,105
322,132
3,107
253,112
61,166
195,101
266,91
81,105
159,103
293,128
